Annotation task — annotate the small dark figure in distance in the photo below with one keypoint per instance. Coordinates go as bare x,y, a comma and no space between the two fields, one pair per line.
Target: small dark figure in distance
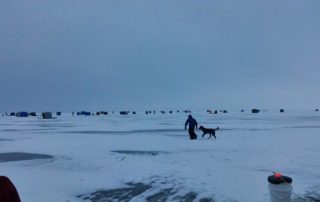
210,131
192,125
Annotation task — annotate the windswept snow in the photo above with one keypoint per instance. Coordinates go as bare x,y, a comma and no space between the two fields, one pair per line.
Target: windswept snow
150,157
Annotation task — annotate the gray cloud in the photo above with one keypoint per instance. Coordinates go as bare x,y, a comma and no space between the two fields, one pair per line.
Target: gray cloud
71,55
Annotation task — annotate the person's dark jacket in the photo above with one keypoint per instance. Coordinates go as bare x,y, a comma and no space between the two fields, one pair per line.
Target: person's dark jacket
192,123
8,192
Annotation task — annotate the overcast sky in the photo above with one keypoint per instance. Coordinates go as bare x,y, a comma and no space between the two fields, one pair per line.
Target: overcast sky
138,54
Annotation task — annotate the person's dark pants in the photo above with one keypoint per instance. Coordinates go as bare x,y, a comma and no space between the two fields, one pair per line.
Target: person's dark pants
192,134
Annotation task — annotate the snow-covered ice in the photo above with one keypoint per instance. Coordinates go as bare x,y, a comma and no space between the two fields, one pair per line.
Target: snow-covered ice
96,153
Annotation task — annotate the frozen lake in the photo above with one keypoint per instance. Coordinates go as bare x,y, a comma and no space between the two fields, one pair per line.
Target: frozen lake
150,157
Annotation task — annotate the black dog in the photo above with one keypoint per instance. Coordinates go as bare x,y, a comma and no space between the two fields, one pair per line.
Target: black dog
210,131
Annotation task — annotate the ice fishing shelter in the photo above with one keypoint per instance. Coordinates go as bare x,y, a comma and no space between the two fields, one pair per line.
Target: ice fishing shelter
33,114
22,114
84,113
255,111
47,115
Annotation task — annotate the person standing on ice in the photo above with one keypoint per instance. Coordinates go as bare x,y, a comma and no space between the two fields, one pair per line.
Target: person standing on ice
192,125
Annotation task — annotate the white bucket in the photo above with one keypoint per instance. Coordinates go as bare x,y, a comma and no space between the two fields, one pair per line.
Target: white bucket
280,192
